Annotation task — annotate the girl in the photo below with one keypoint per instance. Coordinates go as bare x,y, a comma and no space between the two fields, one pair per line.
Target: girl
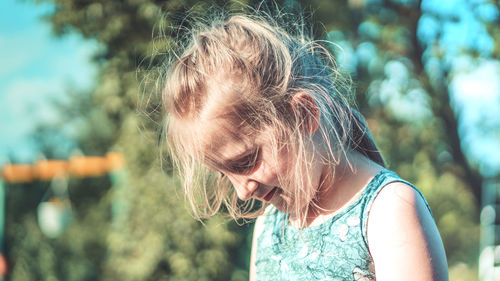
259,123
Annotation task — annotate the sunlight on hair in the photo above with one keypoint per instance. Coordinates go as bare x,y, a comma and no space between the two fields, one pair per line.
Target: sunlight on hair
262,65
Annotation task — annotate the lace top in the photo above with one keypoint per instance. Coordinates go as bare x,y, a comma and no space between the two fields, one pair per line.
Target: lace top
334,250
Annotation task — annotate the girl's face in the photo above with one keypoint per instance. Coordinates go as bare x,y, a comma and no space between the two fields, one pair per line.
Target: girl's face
255,163
248,161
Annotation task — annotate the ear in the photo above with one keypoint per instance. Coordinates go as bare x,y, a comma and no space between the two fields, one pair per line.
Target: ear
306,111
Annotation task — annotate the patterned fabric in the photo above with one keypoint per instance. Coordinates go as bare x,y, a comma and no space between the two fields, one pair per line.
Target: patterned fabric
334,250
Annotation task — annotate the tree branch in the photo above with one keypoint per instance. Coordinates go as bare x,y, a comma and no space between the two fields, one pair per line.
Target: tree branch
441,107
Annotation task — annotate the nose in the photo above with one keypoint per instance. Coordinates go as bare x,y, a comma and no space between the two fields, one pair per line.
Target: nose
244,187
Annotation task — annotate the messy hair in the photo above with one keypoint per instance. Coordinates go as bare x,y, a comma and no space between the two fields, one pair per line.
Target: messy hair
269,63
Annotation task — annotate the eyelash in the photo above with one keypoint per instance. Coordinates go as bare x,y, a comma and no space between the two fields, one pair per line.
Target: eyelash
247,163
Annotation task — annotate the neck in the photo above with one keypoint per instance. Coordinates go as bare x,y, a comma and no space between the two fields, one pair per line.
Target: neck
340,186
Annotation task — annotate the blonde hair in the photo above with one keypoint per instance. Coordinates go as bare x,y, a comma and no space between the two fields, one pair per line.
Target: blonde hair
270,66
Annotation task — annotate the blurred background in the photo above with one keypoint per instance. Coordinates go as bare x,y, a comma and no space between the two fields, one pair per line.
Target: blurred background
85,195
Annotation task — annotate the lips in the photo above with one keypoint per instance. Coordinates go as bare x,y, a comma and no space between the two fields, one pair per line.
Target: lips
270,194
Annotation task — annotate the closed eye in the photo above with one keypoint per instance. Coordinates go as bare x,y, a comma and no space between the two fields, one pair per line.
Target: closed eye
246,163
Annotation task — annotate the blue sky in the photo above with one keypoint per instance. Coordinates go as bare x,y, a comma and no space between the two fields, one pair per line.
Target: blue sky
36,68
475,82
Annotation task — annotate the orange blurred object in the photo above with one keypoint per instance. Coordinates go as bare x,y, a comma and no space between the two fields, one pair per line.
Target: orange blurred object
114,161
87,166
48,169
18,173
78,166
3,265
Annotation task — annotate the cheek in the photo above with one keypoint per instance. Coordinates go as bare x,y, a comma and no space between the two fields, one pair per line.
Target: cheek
293,173
284,163
269,172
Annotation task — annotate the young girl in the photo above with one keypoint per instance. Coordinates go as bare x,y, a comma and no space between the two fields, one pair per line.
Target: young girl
259,123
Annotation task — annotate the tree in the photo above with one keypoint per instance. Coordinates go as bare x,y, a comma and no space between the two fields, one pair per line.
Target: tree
403,88
158,239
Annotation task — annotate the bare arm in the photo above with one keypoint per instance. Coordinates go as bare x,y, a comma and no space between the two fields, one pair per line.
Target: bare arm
403,238
259,226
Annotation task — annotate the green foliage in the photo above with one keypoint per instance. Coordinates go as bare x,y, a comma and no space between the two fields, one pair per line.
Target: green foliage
78,254
139,229
152,236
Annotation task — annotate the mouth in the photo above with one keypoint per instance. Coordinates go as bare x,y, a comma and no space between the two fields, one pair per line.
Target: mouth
270,194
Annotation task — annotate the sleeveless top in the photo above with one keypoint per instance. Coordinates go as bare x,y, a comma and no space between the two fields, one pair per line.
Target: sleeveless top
337,249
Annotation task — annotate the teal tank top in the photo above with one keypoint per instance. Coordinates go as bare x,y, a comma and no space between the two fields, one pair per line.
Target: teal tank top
337,249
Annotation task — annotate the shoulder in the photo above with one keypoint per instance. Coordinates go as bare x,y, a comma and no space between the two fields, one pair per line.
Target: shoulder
396,209
397,197
402,236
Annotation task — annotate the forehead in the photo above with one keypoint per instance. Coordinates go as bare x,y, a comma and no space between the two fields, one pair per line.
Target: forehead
218,130
222,136
216,141
218,122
